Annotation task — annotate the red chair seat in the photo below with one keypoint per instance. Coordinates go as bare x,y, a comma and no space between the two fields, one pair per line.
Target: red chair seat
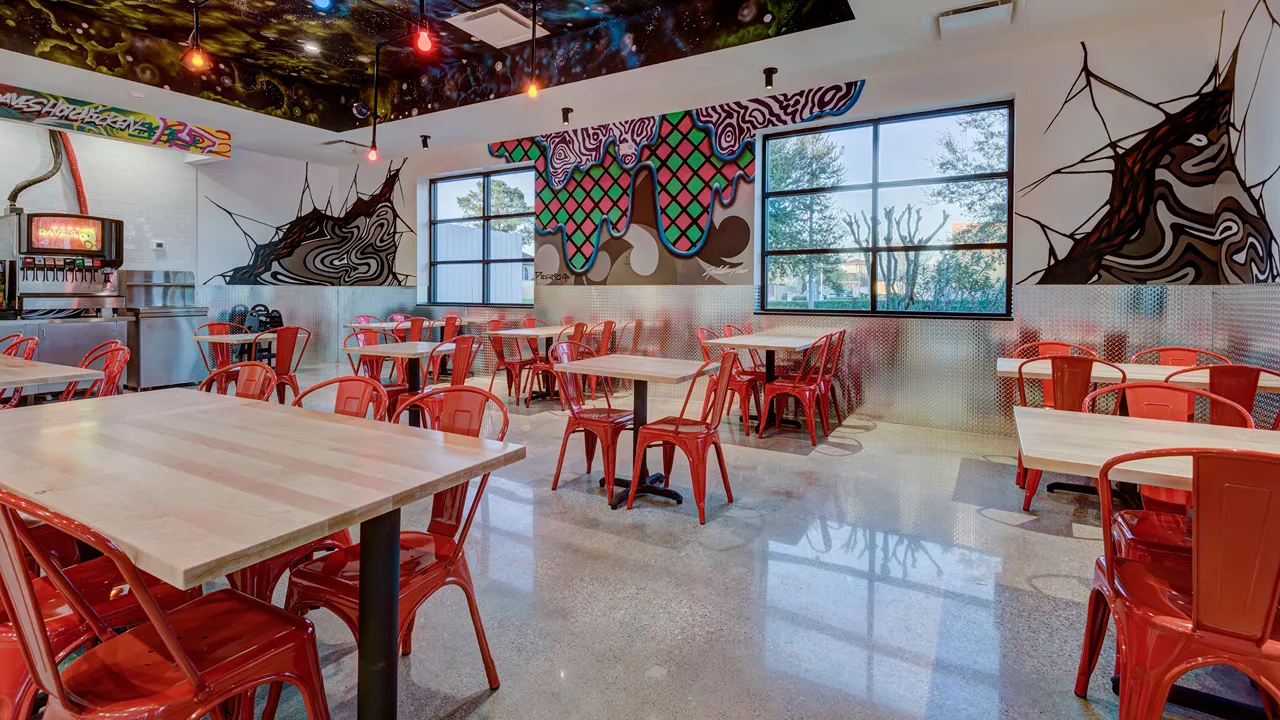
606,415
1154,537
682,426
1157,589
229,637
339,571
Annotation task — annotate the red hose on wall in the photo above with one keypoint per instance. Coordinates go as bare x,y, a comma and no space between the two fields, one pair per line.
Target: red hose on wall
75,172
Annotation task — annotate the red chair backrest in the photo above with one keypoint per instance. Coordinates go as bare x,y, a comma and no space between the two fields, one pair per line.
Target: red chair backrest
1235,543
397,317
1175,356
410,329
24,348
1072,379
713,406
1237,383
531,322
356,395
465,349
288,355
450,330
601,337
1164,401
461,412
834,353
1047,349
219,354
104,386
253,380
365,319
370,365
705,334
4,341
576,332
814,362
637,327
731,330
497,342
570,387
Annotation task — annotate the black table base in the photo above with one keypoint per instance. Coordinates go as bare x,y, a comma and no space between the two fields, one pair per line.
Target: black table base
377,687
653,483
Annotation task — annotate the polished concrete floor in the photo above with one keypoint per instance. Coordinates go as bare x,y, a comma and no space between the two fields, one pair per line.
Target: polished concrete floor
887,573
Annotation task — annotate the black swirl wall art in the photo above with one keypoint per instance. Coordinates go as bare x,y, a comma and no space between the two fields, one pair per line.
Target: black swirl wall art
356,246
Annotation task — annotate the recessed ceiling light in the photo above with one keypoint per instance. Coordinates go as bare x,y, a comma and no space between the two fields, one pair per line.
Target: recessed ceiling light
311,47
137,94
362,58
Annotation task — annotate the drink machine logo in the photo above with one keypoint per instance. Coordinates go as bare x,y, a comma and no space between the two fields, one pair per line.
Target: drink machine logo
55,233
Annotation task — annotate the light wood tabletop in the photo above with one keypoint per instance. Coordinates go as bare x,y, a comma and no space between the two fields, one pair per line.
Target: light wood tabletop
401,349
385,326
193,486
636,367
548,331
1080,444
1042,370
16,372
234,338
785,341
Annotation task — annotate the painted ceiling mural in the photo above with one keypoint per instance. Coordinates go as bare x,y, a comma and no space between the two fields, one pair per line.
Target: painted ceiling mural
259,60
1182,207
657,181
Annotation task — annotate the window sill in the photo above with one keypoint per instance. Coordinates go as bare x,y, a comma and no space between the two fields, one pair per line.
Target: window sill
886,314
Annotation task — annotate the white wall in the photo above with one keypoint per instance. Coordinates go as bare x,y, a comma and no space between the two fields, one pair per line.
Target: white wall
152,190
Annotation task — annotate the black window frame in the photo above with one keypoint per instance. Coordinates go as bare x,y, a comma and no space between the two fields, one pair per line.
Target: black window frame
875,186
485,219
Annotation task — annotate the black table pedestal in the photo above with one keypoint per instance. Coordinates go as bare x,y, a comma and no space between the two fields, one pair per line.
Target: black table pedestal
650,484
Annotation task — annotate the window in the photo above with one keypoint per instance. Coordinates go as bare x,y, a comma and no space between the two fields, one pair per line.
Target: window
905,216
482,239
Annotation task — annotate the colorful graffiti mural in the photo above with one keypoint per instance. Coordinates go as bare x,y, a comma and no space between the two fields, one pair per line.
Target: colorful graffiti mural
61,113
588,177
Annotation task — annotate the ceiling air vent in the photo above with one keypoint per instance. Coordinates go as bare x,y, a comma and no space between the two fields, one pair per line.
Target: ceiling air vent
971,19
345,147
499,25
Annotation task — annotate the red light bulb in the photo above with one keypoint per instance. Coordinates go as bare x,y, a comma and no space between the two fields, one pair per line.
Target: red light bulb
373,154
422,41
195,59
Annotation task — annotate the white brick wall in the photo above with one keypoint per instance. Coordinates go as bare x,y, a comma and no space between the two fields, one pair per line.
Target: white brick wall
152,190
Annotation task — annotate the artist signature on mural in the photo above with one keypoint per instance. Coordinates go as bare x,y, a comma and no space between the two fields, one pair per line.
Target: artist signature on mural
724,271
551,277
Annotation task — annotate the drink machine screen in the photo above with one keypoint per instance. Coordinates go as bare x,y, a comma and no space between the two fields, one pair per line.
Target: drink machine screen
65,234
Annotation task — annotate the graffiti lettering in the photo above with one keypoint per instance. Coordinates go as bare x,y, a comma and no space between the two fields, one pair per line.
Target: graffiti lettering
723,270
551,277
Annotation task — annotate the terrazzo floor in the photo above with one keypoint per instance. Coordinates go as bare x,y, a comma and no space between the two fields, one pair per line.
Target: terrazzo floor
888,573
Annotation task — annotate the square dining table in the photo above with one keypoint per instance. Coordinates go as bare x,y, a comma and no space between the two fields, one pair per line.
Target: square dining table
16,372
193,486
546,333
235,338
770,342
1134,372
642,371
412,353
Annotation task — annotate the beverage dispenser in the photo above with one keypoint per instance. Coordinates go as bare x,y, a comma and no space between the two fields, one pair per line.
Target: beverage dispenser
54,264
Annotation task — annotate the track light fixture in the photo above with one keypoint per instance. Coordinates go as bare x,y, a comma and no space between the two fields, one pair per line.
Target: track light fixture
769,72
533,54
564,115
426,141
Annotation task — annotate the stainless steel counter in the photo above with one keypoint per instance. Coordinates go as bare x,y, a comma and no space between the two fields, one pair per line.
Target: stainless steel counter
64,341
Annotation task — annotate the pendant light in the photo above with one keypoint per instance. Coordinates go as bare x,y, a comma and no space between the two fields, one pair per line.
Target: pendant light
422,38
195,59
533,54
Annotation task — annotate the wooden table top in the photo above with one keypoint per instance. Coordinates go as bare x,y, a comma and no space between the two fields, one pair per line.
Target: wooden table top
234,338
787,341
534,332
400,349
1042,370
16,372
1080,443
385,326
636,367
194,485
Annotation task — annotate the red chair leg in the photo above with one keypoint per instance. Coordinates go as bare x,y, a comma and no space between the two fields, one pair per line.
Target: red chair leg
698,471
835,403
610,452
808,421
1095,632
1033,482
555,481
464,582
724,473
589,443
1020,479
668,460
406,639
745,403
273,701
635,473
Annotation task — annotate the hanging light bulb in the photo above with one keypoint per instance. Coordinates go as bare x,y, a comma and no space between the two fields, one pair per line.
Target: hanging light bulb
195,59
533,54
422,40
533,89
322,5
373,153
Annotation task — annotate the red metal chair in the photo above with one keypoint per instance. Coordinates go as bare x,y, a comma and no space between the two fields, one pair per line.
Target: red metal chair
288,356
535,351
743,385
7,339
1050,349
1071,382
397,317
253,380
604,424
600,338
429,560
1222,611
218,355
24,348
513,363
113,367
184,663
1175,356
357,395
365,319
411,329
695,438
542,370
1158,532
757,365
371,366
449,325
827,397
806,386
1237,383
465,350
